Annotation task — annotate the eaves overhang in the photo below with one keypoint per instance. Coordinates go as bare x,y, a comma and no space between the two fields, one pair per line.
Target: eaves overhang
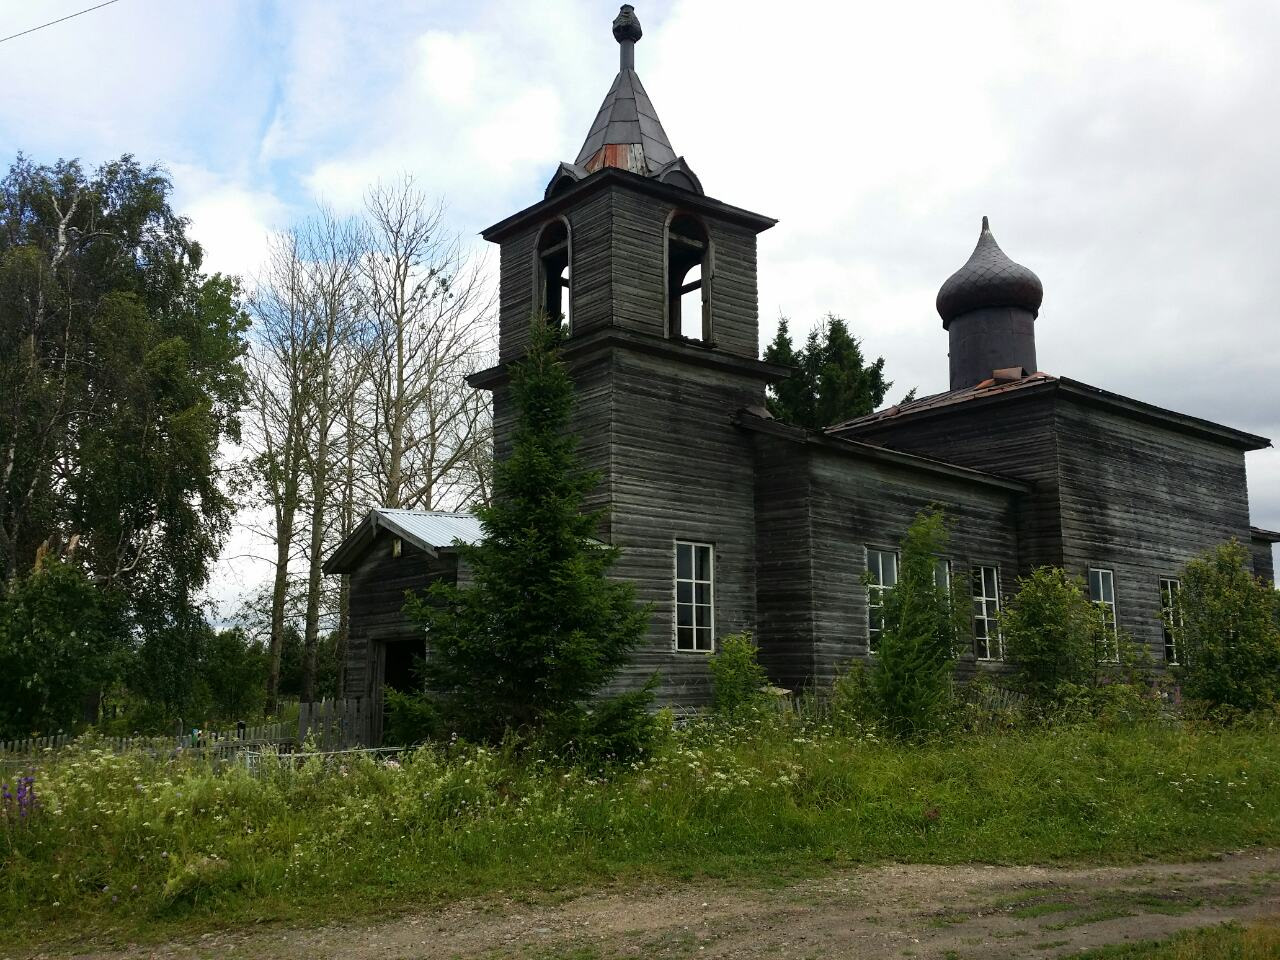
433,532
1149,412
604,339
1264,536
613,176
871,451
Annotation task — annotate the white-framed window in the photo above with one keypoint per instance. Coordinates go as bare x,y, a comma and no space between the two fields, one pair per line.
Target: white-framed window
695,597
1102,591
1170,617
882,571
987,642
942,574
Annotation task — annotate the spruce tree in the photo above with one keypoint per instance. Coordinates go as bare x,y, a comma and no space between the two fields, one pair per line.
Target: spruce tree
540,627
923,622
831,379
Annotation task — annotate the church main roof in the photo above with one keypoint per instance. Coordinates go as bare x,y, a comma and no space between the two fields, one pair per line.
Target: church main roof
989,279
627,133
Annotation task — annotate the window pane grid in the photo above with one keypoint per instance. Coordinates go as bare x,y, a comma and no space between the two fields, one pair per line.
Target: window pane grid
882,566
1170,617
987,642
695,597
1102,591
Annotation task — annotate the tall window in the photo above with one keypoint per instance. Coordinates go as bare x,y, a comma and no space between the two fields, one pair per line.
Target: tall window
942,574
882,576
688,283
1170,617
695,597
1102,591
553,273
987,642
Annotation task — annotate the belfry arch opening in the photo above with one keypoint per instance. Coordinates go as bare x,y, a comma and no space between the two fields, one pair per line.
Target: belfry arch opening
554,286
688,279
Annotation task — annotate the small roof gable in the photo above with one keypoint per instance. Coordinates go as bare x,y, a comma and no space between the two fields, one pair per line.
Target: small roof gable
432,531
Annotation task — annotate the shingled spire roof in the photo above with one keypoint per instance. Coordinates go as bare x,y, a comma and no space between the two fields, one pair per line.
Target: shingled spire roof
627,133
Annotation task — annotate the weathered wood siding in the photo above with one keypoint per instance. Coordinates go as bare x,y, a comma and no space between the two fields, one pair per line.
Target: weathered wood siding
859,503
1013,437
378,589
1263,559
1141,500
785,615
681,471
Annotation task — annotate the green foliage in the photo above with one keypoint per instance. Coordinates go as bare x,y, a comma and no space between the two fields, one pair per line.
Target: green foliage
1052,633
412,718
741,798
1229,633
614,730
737,679
61,645
852,700
912,676
120,377
832,380
541,627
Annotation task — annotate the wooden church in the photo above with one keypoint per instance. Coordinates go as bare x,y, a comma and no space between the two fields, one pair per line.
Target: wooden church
731,521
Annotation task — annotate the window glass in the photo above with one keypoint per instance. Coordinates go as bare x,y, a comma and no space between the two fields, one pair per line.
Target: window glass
695,597
882,568
1170,617
987,642
1102,591
942,574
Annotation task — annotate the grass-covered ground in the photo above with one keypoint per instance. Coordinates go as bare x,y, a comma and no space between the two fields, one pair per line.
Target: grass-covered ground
1259,941
124,846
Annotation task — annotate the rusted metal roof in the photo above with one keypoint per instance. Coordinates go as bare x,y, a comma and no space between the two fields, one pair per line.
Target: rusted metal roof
993,389
987,388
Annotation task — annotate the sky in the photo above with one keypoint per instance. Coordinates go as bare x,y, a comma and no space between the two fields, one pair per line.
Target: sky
1126,152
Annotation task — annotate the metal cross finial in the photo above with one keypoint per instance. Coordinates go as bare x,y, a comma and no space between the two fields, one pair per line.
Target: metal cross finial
626,30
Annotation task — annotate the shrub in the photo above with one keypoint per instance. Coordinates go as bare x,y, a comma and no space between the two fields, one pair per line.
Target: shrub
852,700
615,730
61,644
737,679
412,718
912,676
1230,633
1051,633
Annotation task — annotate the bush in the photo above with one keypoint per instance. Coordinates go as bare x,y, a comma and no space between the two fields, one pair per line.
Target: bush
737,679
412,718
617,730
62,640
1230,633
1051,634
912,676
852,701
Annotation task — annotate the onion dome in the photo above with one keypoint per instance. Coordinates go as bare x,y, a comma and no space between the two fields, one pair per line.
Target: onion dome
989,279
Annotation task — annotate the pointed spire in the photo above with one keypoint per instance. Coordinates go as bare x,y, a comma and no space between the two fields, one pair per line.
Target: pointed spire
627,132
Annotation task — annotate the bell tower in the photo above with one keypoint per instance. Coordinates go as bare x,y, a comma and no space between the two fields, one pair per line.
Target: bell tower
654,283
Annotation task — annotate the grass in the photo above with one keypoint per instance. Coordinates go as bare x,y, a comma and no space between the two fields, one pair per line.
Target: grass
1227,942
125,846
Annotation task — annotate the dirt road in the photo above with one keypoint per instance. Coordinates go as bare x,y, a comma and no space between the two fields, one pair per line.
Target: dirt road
891,911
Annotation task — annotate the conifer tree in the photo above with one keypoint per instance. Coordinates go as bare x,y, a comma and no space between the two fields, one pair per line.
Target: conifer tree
540,627
923,620
832,380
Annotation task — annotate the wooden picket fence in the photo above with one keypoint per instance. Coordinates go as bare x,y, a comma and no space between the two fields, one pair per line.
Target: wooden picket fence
337,724
215,741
